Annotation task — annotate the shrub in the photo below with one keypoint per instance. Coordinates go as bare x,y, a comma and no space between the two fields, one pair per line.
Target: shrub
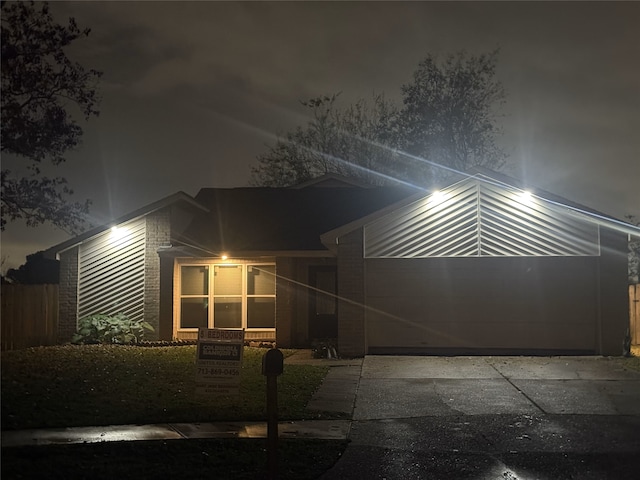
118,328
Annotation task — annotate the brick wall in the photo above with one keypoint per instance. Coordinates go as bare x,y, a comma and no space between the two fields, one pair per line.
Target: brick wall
166,298
351,311
68,295
284,302
158,234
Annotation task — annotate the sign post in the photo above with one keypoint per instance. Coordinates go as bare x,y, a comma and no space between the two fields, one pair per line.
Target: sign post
219,361
272,366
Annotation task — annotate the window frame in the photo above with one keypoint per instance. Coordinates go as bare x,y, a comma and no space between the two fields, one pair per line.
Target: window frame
211,295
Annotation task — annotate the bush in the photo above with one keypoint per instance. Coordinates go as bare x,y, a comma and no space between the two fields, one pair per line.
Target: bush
118,328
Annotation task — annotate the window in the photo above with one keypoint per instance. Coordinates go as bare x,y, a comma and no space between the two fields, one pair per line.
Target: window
228,296
261,296
194,301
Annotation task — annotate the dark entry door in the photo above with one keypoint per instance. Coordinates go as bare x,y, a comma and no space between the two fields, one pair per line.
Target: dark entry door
323,303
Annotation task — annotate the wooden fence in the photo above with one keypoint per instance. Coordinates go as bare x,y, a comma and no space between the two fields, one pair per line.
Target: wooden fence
29,316
634,313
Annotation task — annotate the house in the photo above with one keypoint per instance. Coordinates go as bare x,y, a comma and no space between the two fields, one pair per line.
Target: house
480,266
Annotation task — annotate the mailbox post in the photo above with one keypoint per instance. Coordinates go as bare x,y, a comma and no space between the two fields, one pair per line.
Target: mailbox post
272,366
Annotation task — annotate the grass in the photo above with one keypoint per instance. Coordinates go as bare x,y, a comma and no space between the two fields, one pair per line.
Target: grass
73,385
632,362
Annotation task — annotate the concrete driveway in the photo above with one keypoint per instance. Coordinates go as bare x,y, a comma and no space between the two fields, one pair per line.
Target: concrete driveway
401,387
492,418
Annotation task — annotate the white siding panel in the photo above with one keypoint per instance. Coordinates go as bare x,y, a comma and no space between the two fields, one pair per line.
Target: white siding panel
111,276
478,219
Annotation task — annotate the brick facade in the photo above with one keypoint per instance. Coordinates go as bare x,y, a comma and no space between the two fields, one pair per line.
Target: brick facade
158,234
166,298
351,309
68,295
285,302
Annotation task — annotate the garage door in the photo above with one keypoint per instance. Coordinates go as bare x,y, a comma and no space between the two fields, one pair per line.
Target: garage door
481,305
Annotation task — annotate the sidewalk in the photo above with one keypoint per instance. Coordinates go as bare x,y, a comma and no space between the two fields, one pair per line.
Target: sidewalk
338,391
336,394
323,429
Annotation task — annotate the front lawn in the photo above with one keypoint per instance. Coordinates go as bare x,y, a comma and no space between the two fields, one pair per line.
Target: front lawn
73,385
88,385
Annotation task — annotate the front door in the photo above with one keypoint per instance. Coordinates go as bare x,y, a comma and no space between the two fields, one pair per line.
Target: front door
323,302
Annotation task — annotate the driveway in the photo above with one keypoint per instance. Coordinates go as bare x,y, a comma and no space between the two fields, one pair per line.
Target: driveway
403,387
493,418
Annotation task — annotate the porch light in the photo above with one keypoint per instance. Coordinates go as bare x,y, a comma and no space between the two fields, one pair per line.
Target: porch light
223,257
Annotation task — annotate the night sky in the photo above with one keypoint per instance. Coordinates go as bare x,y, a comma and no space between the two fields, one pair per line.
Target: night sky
193,92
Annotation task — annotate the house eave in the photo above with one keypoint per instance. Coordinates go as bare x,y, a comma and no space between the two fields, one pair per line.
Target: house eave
330,239
184,251
179,198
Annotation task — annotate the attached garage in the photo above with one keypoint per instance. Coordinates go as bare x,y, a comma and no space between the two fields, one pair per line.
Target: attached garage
484,267
498,305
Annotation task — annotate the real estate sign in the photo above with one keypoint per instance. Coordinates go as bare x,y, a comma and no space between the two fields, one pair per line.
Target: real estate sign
219,361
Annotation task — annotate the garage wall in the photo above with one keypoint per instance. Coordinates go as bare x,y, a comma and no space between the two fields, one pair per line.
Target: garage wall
497,304
613,291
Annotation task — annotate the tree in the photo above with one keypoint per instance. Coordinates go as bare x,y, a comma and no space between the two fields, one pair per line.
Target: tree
345,141
447,122
448,115
37,270
39,85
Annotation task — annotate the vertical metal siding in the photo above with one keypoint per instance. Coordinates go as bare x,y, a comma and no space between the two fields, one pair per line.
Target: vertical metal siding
111,278
474,218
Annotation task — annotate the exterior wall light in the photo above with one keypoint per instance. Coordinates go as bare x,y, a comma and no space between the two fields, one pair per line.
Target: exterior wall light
118,232
436,197
526,196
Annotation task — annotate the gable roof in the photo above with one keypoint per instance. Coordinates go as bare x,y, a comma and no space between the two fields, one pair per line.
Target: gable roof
276,219
177,199
489,177
569,206
263,219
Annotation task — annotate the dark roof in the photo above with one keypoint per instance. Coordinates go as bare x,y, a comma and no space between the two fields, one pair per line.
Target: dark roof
496,178
331,180
582,211
276,219
177,199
